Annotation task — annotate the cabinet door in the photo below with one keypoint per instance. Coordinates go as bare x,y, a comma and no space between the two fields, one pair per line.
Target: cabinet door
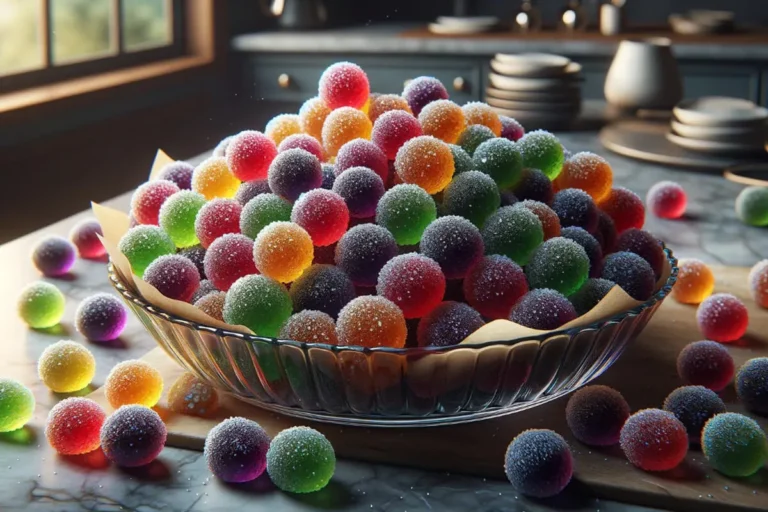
721,79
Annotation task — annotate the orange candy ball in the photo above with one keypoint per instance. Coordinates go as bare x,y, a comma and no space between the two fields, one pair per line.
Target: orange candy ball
343,125
133,382
281,127
212,178
425,161
477,112
384,103
371,321
588,172
550,222
282,251
310,327
695,282
443,119
312,116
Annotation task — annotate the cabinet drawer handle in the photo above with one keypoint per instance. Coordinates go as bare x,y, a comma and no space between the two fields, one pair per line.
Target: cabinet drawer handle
284,80
459,84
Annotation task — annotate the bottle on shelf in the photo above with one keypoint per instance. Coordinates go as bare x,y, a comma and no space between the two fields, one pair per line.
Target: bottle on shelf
573,17
527,18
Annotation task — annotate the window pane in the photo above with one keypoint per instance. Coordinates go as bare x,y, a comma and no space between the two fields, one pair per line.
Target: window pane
20,44
81,29
146,24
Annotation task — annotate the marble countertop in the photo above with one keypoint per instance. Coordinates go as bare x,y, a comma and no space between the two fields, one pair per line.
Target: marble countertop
33,478
387,39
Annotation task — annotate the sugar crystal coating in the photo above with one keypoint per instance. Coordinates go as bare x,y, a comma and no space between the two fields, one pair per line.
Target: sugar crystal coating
734,444
752,206
66,367
511,129
310,327
261,211
282,251
344,84
383,103
179,173
472,195
722,317
534,185
221,148
590,245
625,208
631,272
454,243
212,304
305,142
705,363
216,218
500,159
324,288
667,200
206,287
393,129
323,214
236,450
133,382
560,264
250,189
343,125
574,207
538,463
54,256
425,161
74,426
213,178
542,309
300,460
588,172
605,232
195,254
174,276
462,162
758,283
695,282
414,282
85,236
41,305
752,385
148,198
494,285
654,440
694,406
550,222
312,115
133,436
362,153
177,217
281,127
541,150
595,415
101,317
371,321
363,251
442,119
422,91
293,172
513,232
329,176
229,258
473,136
361,189
477,112
259,303
448,324
406,210
644,245
590,294
190,395
17,405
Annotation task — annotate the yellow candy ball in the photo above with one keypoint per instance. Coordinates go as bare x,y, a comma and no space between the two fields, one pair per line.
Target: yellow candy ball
66,367
282,127
212,178
133,382
312,116
343,125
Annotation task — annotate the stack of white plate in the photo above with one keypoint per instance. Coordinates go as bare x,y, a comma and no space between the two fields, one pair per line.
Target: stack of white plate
460,25
537,89
717,124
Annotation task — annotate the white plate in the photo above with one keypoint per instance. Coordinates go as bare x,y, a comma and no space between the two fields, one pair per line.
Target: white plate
535,106
719,111
707,146
719,133
531,84
531,64
467,21
437,28
503,68
567,94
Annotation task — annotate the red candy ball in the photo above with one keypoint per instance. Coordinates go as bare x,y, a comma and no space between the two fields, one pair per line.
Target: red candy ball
667,200
494,285
413,282
344,85
229,258
74,426
705,363
249,155
722,317
217,218
362,153
393,129
323,214
654,440
84,236
305,142
148,198
625,208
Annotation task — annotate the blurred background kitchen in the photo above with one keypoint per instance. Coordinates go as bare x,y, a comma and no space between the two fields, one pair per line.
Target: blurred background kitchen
89,89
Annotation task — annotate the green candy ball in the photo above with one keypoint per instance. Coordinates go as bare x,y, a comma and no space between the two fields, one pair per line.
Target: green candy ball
473,136
560,264
512,232
259,303
406,210
462,162
41,305
261,211
142,245
177,217
541,150
734,444
590,294
17,404
300,460
752,206
472,195
501,160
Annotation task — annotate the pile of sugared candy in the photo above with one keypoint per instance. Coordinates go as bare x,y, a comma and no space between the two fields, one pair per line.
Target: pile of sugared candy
367,210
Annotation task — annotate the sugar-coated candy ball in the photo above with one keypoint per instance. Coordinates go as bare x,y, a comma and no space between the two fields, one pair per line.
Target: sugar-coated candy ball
371,321
393,129
66,366
179,173
344,84
448,324
305,142
54,256
293,172
196,254
414,282
560,264
654,440
229,258
41,305
85,236
550,222
752,206
425,161
494,285
500,159
595,415
323,214
508,198
221,147
625,208
177,217
174,276
101,317
262,211
343,125
511,129
236,450
644,245
575,207
300,460
190,395
133,436
422,91
329,176
543,309
282,251
590,294
17,405
133,382
541,150
472,195
667,200
462,162
734,444
74,426
631,272
606,232
538,463
148,198
213,178
406,210
722,317
442,119
758,283
250,189
591,247
206,287
259,303
752,385
216,218
280,128
474,135
477,112
363,251
212,304
695,282
454,243
705,363
310,326
361,189
249,154
513,232
694,406
384,103
588,172
534,185
312,115
324,288
362,153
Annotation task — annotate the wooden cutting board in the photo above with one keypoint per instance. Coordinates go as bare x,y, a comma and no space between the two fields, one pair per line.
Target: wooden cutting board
645,374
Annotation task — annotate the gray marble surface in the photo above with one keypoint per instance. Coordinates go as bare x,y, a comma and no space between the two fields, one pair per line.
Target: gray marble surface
385,39
33,478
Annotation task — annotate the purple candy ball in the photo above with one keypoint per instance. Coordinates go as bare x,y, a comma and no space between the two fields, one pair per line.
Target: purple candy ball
54,256
133,436
250,189
511,129
179,173
174,276
293,172
363,251
195,254
236,450
423,90
101,317
361,189
543,309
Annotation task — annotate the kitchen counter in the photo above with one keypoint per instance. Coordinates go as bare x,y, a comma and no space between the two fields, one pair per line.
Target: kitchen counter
34,479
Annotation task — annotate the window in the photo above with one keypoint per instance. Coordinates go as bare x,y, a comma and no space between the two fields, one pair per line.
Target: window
44,41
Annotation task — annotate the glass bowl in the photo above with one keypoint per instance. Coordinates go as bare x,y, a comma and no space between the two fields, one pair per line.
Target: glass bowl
387,387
